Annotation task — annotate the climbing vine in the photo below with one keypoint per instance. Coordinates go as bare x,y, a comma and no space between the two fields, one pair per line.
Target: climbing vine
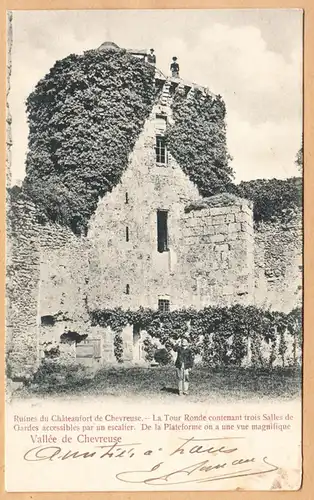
84,117
219,334
197,140
118,347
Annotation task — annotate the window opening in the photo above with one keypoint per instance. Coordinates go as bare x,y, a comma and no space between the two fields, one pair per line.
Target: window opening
161,124
127,233
126,198
127,289
162,230
161,150
48,320
163,305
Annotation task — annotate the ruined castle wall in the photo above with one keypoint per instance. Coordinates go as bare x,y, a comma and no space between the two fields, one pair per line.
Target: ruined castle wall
64,273
22,285
218,252
280,245
63,282
115,262
47,274
211,251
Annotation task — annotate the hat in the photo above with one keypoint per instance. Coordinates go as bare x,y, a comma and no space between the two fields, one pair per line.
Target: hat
152,50
174,58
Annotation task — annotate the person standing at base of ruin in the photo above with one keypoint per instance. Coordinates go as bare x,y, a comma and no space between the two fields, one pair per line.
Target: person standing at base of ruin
174,67
183,364
151,58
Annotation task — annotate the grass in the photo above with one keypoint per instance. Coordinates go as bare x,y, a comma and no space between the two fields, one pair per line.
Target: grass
159,382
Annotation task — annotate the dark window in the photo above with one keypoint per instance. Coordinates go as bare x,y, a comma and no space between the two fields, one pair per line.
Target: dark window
161,150
163,305
162,230
126,198
127,289
127,233
48,320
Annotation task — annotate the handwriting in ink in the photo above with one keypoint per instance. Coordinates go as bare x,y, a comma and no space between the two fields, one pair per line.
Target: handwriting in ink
200,472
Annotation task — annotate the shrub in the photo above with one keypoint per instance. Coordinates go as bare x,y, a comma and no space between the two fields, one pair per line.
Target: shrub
219,334
149,348
53,375
162,357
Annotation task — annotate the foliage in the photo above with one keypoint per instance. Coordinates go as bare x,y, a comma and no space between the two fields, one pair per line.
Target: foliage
218,334
52,375
219,200
84,118
162,357
299,158
118,347
149,348
274,199
197,140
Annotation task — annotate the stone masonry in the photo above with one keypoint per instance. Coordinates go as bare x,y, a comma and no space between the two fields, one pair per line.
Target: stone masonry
213,256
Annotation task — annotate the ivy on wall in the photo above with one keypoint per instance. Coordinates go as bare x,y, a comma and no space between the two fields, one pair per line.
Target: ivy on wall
118,347
84,117
197,140
273,199
219,334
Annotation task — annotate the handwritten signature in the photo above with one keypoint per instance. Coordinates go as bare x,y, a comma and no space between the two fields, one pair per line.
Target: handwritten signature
195,473
222,463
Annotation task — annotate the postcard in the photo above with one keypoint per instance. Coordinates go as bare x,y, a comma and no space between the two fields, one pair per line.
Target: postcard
154,253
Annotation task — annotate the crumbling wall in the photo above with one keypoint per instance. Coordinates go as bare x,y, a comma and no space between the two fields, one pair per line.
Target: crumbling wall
47,275
218,250
215,258
132,206
281,246
22,286
63,282
210,257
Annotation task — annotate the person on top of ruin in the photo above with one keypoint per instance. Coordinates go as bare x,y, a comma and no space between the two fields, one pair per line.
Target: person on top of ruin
183,364
174,67
151,58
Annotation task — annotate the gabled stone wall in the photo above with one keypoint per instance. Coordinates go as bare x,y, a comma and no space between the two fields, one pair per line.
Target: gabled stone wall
115,262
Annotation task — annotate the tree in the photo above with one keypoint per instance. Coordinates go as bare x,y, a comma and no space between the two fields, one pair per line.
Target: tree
299,159
273,199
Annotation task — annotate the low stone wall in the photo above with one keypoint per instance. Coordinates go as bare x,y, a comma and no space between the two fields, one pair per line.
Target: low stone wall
215,258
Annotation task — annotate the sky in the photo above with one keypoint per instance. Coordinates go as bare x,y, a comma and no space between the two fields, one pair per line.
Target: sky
252,58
